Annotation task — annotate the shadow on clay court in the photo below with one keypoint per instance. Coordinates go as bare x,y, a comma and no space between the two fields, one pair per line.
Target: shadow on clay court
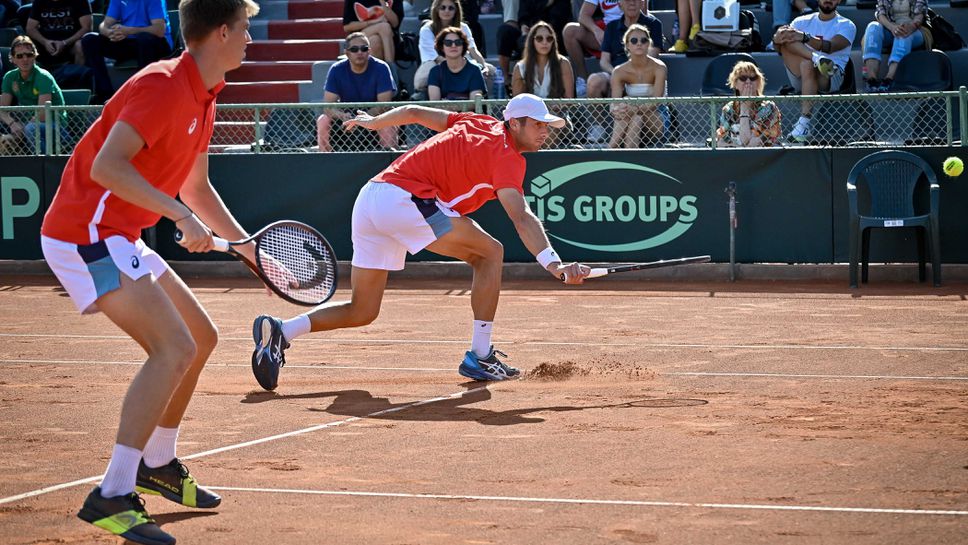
171,518
360,403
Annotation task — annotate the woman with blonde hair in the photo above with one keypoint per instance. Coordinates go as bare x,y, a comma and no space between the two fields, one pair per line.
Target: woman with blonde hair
748,123
542,71
641,76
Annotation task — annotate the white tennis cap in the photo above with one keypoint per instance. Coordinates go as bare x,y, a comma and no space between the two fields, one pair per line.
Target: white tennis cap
528,105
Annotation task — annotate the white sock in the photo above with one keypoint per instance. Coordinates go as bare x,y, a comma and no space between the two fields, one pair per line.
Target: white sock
294,327
481,338
122,471
161,447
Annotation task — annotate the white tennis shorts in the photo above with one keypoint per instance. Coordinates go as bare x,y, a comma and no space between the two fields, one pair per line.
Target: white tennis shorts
88,272
388,222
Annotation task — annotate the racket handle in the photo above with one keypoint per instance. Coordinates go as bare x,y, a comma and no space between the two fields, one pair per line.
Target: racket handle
597,272
221,244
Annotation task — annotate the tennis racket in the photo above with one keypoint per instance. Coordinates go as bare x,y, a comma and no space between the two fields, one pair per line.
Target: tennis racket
292,258
604,271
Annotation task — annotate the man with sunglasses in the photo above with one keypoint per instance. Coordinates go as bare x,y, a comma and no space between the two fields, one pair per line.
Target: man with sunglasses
30,85
358,78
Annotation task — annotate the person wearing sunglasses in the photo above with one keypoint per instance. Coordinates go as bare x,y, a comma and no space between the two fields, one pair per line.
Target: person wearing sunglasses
444,14
456,78
614,53
511,42
358,78
748,123
28,85
543,71
642,76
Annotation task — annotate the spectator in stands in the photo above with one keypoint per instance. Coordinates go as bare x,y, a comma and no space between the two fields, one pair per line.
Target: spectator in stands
783,10
57,26
379,20
689,18
357,78
744,123
815,50
641,76
444,14
614,52
543,71
587,35
133,29
30,85
456,78
510,42
896,24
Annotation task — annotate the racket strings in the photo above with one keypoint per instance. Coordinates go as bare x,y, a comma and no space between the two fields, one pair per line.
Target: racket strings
297,262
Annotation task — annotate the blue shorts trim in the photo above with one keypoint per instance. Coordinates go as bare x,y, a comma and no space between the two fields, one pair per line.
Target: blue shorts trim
438,221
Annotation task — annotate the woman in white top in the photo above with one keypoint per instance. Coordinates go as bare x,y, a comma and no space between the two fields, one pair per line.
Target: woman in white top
640,76
542,70
443,14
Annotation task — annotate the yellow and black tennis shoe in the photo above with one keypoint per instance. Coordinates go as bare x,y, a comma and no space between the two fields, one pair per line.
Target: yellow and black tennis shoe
123,516
174,482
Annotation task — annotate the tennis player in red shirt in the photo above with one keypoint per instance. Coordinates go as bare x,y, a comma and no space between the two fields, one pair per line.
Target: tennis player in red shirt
421,201
149,145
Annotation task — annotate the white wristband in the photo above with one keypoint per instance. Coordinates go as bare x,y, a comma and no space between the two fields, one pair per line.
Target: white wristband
547,257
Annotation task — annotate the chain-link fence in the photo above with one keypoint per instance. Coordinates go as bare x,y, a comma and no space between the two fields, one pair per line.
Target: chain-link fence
882,120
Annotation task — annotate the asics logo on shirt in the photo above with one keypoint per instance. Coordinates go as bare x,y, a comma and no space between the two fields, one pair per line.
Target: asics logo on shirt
194,124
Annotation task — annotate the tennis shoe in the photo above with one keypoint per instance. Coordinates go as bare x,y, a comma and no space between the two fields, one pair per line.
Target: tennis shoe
801,131
174,482
123,516
269,354
487,368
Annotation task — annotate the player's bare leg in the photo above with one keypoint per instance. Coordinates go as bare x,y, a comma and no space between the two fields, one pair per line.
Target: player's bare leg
469,243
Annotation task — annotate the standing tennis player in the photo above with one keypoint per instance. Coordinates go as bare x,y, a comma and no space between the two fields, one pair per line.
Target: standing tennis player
149,145
421,201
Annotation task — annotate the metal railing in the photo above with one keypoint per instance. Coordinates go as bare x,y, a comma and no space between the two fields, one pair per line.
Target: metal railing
878,120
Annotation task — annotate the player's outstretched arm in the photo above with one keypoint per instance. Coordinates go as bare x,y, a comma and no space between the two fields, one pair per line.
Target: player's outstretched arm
432,118
535,239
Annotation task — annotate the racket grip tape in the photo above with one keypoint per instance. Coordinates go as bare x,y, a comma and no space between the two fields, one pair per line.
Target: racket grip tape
221,244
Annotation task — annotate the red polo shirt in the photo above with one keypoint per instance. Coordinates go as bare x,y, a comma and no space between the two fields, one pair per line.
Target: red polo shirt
463,166
174,113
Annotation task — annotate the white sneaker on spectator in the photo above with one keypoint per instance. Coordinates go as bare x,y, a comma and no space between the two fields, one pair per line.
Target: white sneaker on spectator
801,131
581,87
596,133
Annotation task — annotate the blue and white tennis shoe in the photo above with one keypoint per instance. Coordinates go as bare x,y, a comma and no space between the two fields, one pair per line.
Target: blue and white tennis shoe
269,354
487,368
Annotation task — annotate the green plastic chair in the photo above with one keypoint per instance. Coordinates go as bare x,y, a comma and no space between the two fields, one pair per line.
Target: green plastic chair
76,97
891,178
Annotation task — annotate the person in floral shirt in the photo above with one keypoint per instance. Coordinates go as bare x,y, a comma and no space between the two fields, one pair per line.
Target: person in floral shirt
748,123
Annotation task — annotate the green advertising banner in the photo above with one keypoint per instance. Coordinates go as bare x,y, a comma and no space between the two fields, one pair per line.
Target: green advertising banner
22,207
609,206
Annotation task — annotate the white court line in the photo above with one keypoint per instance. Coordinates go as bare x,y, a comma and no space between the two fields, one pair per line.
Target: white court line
588,501
451,370
245,444
802,375
701,346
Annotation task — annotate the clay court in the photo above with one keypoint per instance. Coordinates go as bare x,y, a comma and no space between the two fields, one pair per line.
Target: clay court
649,413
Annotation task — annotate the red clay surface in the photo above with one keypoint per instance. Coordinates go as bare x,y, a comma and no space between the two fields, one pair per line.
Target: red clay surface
651,413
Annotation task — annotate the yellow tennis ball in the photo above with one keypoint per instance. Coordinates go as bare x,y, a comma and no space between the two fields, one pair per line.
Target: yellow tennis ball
953,166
